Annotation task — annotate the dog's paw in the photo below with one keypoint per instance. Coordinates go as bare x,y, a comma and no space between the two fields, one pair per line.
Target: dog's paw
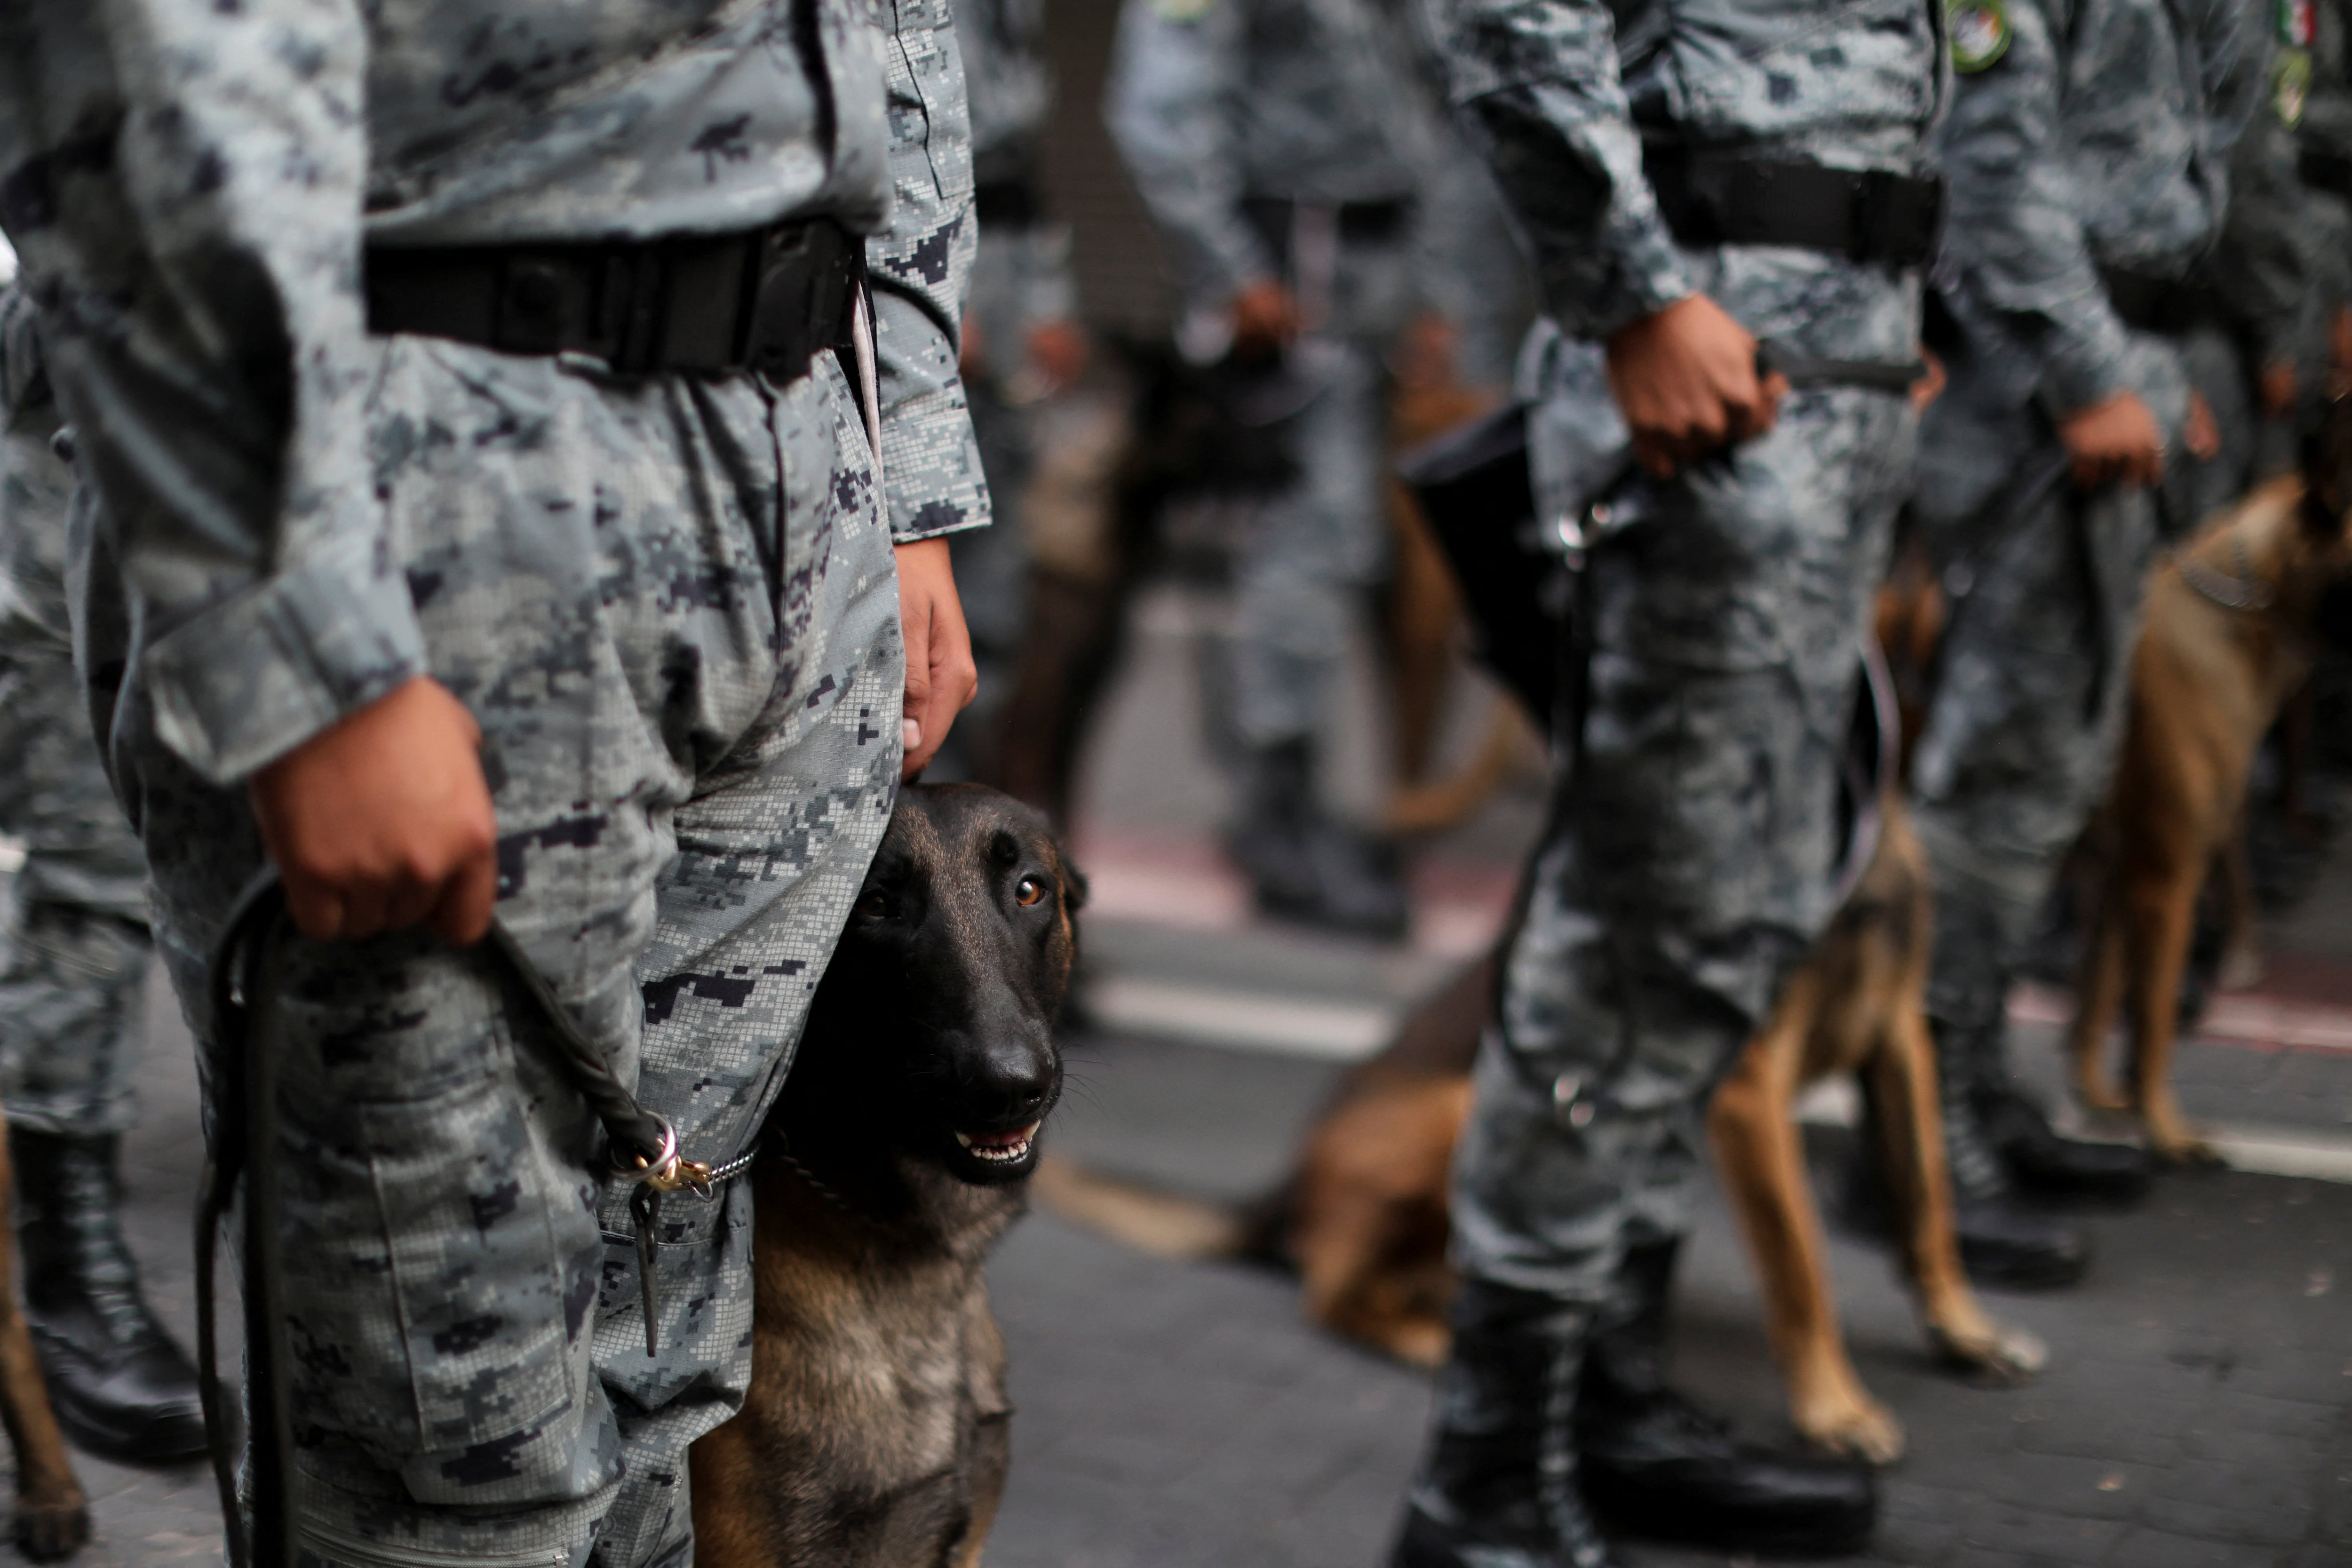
1996,1354
1421,1342
48,1532
1860,1428
2188,1154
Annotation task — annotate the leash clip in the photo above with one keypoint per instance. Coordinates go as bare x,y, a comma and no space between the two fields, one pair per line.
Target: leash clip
664,1171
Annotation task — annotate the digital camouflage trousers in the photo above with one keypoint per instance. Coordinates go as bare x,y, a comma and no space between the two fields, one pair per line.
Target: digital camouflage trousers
74,948
671,605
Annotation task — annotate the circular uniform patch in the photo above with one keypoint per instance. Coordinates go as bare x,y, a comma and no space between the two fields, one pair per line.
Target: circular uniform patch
2291,86
1980,32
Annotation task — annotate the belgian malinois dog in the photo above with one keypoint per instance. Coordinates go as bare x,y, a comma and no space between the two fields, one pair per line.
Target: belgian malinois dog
1363,1215
876,1433
2232,629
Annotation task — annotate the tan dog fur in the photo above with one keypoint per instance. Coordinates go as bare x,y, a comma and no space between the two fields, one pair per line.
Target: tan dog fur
2207,681
1364,1215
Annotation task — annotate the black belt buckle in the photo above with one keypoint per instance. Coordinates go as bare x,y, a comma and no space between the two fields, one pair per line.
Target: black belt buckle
1868,228
1909,218
804,281
1898,218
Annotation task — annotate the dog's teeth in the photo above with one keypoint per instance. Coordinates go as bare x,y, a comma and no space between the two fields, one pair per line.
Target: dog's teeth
1003,1149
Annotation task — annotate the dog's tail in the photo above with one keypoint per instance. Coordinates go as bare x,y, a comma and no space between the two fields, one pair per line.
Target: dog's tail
1164,1223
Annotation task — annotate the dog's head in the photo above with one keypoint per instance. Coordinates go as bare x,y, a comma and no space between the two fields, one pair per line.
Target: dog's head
930,1040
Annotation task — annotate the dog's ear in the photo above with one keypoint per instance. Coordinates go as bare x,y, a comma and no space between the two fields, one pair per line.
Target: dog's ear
1074,890
2327,470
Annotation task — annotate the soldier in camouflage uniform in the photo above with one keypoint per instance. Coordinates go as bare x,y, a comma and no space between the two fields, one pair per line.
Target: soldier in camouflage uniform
1022,343
2088,149
2273,279
1684,173
2324,132
73,975
2311,92
1279,146
589,623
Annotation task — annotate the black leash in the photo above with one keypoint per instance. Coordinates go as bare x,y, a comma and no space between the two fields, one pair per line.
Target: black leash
1570,540
1800,370
640,1145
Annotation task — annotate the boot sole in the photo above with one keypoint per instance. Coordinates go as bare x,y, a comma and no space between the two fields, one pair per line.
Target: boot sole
156,1444
1825,1538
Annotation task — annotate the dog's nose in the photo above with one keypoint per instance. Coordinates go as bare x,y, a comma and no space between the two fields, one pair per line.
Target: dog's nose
1012,1082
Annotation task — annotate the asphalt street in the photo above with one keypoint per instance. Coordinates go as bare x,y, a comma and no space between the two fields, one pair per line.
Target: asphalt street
2198,1409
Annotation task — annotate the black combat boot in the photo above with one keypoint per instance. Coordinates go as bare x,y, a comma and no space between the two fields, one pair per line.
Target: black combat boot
122,1389
1497,1485
2046,1165
1305,867
1655,1464
2003,1242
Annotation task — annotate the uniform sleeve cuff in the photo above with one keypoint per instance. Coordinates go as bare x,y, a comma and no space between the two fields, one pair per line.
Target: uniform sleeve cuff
248,680
932,478
1648,286
2091,365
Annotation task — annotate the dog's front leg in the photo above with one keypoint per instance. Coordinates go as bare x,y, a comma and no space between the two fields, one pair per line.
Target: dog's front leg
1911,1155
2160,905
2098,993
1761,1158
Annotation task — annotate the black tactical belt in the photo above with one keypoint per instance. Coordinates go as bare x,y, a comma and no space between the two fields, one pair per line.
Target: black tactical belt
2154,304
769,301
1719,197
2325,170
1008,204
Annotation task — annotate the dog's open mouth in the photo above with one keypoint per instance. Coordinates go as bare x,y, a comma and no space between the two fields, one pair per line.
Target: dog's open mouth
1007,1148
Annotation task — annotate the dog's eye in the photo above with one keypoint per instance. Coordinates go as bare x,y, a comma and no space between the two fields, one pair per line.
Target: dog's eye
875,905
1028,892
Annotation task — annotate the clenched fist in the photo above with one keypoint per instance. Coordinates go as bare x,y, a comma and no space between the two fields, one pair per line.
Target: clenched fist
384,821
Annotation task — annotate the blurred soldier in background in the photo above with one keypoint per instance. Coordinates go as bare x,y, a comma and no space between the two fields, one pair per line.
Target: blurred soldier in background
499,505
73,975
1280,145
2088,149
1022,345
2276,275
2324,156
1693,178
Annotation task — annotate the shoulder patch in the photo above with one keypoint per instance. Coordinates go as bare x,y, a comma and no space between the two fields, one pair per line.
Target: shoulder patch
2291,86
2298,23
1182,10
1980,32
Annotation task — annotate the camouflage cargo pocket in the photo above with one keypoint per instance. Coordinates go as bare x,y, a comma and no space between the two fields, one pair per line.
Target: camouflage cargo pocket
441,1265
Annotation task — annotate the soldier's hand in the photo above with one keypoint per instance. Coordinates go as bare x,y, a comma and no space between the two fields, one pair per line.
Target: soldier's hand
1685,381
940,678
2198,431
1930,386
1265,316
384,821
2115,441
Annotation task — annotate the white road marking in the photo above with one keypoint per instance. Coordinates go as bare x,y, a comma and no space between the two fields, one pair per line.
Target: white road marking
1242,1020
1268,1023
